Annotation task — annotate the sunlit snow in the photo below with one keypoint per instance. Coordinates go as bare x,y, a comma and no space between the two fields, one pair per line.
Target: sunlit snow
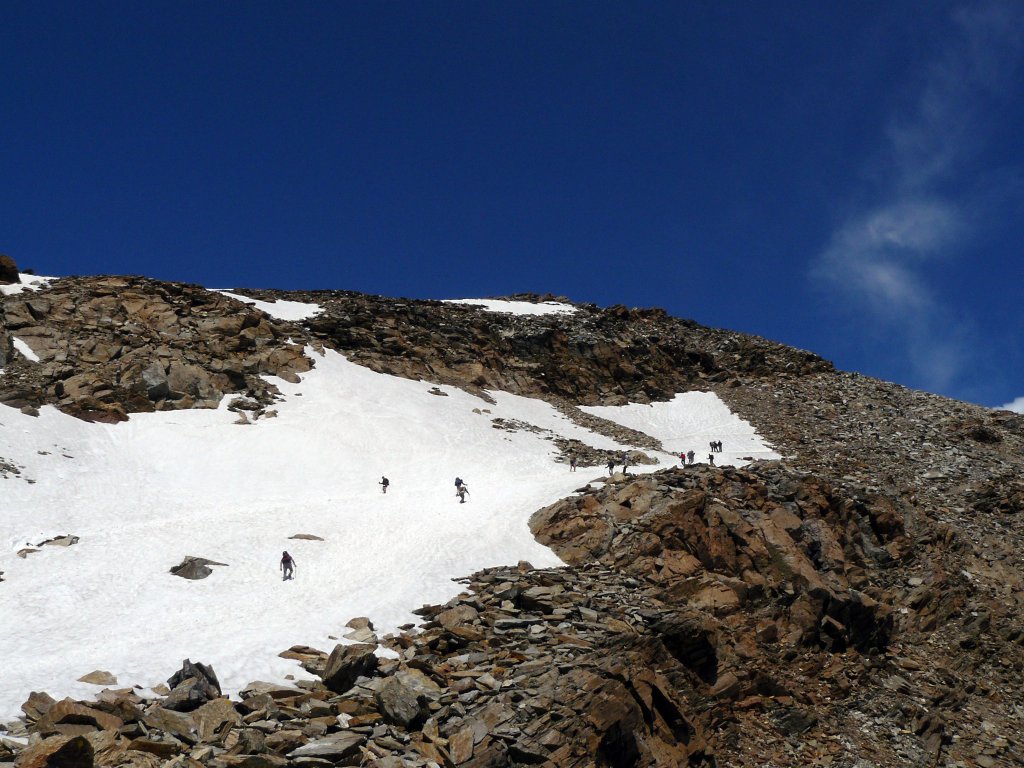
25,283
25,349
518,307
690,421
143,494
280,309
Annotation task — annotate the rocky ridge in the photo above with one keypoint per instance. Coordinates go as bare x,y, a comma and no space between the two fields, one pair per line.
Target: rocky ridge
856,604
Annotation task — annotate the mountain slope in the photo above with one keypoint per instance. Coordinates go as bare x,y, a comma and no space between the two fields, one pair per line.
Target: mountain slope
855,603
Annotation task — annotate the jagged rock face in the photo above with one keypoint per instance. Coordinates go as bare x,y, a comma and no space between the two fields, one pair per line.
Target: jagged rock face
766,543
117,345
591,356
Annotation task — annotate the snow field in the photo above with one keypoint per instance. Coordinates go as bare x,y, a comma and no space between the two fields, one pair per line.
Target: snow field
143,494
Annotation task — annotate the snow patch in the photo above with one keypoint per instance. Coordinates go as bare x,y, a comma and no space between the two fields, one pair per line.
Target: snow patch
690,421
25,350
26,283
518,307
281,310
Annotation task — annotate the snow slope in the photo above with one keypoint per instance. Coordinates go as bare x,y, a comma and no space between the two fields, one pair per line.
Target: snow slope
143,494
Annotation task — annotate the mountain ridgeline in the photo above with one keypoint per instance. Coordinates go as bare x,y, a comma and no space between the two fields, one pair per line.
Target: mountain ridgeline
857,603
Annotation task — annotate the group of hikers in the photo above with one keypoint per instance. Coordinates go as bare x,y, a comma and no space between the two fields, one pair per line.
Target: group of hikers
686,458
462,490
287,565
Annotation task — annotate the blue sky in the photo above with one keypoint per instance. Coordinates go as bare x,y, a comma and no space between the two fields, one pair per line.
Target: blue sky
848,180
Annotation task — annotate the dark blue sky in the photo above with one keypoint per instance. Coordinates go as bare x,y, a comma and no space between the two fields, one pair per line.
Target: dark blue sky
844,180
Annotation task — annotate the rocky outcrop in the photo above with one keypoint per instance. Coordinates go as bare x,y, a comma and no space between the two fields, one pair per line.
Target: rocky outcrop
110,346
739,541
116,345
591,356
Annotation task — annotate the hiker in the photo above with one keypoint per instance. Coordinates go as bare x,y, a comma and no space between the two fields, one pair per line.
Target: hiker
718,446
682,458
287,566
690,455
384,483
611,465
711,459
625,463
458,484
461,493
572,462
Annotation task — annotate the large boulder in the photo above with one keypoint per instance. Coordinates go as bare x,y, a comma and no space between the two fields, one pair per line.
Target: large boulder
348,662
405,697
8,270
191,686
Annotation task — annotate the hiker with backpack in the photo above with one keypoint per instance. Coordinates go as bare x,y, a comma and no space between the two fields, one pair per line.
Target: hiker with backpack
287,566
462,492
384,483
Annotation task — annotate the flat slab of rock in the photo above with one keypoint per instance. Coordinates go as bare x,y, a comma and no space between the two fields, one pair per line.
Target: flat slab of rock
333,747
306,536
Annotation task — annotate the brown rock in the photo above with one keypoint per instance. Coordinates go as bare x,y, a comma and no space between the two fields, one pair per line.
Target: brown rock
58,752
37,705
8,270
70,712
347,663
214,719
98,677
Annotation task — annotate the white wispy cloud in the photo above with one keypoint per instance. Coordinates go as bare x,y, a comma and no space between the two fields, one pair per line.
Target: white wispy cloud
1017,405
880,258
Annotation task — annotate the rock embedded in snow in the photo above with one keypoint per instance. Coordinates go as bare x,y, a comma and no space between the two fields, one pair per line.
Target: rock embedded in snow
194,567
99,677
65,540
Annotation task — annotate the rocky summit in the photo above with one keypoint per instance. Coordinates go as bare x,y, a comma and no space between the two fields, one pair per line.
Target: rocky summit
857,603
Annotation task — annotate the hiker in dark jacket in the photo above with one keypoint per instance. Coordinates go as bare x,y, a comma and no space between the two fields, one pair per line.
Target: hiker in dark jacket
287,566
384,483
